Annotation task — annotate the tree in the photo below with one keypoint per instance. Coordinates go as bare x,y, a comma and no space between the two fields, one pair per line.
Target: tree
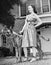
5,17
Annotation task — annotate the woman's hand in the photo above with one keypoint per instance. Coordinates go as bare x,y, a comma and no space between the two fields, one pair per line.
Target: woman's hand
28,23
38,24
20,32
48,39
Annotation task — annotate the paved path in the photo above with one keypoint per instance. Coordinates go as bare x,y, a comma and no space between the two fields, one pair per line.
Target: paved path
12,61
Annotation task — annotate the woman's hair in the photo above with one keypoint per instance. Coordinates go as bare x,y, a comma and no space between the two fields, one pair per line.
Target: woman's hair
34,8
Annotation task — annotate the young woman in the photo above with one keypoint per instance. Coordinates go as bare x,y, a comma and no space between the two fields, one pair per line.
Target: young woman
29,32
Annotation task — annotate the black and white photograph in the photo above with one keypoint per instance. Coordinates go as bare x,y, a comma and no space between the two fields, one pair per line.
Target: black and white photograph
25,32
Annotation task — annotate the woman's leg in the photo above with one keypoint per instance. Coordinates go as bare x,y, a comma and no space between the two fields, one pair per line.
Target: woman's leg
34,51
25,51
25,54
16,49
34,54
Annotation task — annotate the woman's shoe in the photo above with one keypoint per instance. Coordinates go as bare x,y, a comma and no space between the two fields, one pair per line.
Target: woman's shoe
33,59
25,59
18,60
28,59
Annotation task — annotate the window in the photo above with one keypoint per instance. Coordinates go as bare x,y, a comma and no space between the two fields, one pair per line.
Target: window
38,6
45,6
42,6
22,10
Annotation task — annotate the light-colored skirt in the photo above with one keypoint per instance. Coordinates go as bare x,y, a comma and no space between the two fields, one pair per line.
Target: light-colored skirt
29,36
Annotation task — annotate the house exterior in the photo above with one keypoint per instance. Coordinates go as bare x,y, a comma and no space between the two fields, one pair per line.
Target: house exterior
44,12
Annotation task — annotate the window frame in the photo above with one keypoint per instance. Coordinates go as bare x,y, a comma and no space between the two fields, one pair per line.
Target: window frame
48,5
19,11
42,7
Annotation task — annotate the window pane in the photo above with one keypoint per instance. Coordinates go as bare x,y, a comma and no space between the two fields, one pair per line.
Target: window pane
44,2
45,6
38,6
23,9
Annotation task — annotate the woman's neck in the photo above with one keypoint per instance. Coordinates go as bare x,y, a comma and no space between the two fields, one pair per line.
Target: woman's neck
32,12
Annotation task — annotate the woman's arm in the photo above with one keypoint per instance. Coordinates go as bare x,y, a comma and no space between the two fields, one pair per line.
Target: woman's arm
40,21
24,25
37,17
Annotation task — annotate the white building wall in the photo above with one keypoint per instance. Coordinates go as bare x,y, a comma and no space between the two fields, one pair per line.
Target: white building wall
46,45
1,27
0,41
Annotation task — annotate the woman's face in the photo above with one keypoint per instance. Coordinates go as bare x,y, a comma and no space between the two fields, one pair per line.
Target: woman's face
30,9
